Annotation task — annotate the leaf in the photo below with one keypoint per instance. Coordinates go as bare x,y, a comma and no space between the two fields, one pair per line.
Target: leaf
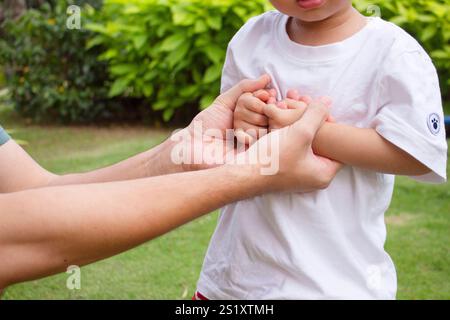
200,26
182,17
177,55
118,87
160,105
440,54
188,91
96,27
139,41
122,69
132,9
399,20
95,41
212,73
215,22
428,33
215,53
173,42
147,90
109,54
167,114
240,12
207,100
150,75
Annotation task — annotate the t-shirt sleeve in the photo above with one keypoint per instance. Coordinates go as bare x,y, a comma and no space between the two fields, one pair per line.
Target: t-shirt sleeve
4,137
410,114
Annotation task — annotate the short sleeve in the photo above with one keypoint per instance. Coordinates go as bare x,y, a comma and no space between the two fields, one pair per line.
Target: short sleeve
4,137
410,114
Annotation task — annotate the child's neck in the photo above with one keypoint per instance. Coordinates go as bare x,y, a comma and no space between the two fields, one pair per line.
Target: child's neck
336,28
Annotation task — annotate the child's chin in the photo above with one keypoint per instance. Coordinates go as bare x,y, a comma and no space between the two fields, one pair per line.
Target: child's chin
310,16
307,16
314,15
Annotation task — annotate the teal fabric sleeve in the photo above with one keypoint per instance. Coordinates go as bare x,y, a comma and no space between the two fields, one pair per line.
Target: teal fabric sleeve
4,137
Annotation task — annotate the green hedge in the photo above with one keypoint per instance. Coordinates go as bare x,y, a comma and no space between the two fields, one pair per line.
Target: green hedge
170,52
165,53
426,20
49,73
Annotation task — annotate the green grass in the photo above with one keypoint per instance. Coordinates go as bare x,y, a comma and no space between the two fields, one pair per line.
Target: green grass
167,268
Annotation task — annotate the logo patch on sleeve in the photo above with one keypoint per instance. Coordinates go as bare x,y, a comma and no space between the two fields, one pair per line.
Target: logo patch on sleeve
434,123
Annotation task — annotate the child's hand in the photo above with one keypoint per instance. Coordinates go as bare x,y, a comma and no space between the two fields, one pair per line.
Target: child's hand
290,110
250,122
284,113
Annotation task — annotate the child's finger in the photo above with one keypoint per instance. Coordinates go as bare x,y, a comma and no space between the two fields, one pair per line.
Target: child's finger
273,93
293,94
262,95
272,111
251,103
281,105
272,100
282,117
305,99
252,117
294,104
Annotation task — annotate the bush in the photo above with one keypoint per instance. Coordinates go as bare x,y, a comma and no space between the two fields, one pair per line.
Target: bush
169,51
49,73
427,21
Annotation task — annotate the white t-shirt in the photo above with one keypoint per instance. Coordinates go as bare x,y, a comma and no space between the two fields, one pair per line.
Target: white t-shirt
327,244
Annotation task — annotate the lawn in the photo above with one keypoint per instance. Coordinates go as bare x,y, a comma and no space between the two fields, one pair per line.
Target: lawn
167,268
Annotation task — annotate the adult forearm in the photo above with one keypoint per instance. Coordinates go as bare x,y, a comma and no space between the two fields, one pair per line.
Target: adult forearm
364,148
150,163
61,226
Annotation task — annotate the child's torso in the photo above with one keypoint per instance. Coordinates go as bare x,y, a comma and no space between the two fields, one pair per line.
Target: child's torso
323,244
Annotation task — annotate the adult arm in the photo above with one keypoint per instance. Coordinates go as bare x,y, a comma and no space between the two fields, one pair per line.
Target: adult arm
42,231
18,170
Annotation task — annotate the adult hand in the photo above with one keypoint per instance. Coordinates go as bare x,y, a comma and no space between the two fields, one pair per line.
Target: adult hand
298,168
212,128
220,114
